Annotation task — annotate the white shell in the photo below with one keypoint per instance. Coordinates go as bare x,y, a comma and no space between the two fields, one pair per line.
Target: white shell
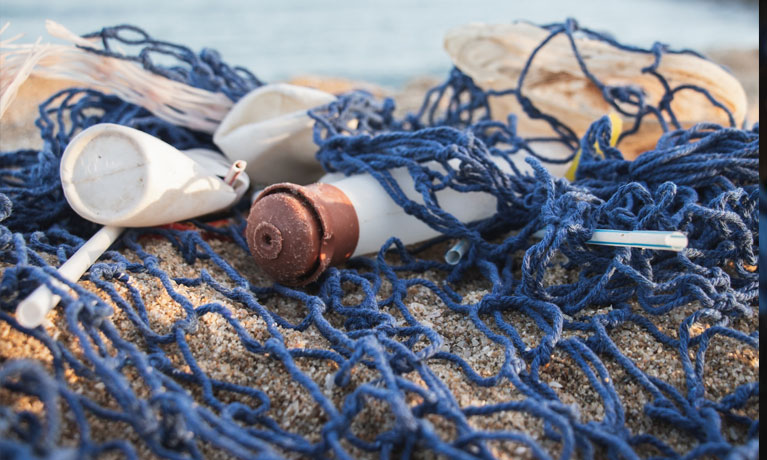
269,128
119,176
493,55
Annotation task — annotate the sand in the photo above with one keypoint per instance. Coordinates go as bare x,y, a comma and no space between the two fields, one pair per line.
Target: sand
221,354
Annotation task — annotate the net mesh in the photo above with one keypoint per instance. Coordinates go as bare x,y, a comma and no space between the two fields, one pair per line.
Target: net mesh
542,302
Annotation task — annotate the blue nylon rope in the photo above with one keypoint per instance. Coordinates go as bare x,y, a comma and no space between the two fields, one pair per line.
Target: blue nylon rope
701,181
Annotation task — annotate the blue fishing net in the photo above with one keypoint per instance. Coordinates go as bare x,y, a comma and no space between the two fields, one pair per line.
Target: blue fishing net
702,181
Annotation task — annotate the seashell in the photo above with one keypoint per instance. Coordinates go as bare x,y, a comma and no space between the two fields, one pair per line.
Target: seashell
493,55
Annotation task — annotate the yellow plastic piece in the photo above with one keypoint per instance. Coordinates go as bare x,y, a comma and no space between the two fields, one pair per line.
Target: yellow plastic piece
616,128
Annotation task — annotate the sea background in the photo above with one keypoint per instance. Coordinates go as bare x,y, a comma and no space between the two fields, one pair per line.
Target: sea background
384,42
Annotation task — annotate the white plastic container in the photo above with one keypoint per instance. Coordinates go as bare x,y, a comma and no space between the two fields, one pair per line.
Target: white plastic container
119,176
380,217
270,129
295,232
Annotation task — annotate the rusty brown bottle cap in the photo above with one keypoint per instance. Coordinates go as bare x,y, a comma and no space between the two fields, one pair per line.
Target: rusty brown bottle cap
295,232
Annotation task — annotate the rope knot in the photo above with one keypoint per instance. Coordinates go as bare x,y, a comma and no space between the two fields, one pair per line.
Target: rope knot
6,207
358,323
94,312
107,271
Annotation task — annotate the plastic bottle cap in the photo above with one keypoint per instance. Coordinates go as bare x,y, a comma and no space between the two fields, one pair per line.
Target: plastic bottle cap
295,232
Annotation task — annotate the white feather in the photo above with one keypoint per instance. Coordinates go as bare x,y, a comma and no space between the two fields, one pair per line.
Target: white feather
170,100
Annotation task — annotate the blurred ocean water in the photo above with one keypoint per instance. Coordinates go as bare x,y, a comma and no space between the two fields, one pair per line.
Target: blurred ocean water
386,42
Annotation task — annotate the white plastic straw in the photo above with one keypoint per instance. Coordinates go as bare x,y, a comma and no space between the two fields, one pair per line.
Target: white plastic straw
646,239
234,171
32,310
455,254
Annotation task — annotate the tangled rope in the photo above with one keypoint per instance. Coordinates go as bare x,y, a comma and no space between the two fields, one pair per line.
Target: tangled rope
701,181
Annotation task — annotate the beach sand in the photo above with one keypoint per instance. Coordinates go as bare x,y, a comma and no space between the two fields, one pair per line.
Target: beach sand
221,355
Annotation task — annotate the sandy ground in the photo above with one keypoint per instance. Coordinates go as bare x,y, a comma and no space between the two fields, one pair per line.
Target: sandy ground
220,354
